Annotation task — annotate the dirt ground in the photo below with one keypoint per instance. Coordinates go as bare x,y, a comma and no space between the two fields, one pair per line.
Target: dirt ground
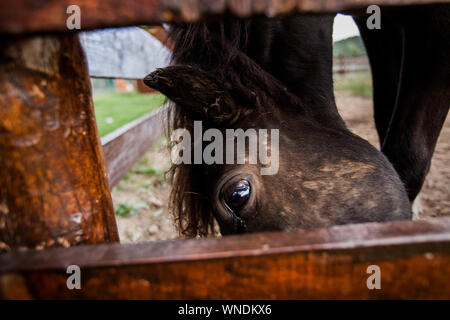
144,192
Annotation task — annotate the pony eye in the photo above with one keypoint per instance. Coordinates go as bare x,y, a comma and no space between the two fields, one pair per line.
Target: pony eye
236,195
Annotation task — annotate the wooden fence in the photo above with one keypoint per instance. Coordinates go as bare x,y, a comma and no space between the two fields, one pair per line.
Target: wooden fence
126,53
123,147
318,264
55,204
351,64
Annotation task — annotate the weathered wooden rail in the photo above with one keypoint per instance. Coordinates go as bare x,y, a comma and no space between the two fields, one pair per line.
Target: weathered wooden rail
22,16
414,259
123,147
127,53
54,189
351,64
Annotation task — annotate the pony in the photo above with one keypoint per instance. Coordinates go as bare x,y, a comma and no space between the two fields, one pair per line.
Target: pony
271,73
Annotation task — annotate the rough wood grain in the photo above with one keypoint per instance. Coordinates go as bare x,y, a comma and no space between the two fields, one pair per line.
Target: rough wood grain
22,16
129,53
311,264
124,146
53,184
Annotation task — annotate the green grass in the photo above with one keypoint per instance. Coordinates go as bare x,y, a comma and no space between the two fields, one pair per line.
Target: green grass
113,109
126,210
356,83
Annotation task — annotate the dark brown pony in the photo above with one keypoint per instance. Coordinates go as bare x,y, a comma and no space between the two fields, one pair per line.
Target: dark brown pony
271,73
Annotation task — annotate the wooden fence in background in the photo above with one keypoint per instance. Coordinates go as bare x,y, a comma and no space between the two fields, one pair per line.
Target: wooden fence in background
126,53
351,64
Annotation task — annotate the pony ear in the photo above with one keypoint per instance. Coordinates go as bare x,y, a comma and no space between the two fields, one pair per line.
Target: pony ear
196,90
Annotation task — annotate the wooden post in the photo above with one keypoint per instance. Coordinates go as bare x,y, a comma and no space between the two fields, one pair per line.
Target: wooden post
53,183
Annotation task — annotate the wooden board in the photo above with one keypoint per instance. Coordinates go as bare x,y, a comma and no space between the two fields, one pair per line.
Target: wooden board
123,147
330,263
130,53
53,185
21,16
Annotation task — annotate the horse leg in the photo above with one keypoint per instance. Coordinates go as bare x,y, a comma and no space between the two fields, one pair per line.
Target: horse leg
411,79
